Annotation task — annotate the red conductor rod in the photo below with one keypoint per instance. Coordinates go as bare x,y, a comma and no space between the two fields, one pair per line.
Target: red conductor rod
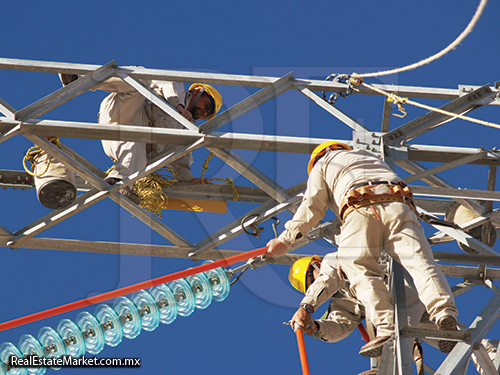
302,351
130,289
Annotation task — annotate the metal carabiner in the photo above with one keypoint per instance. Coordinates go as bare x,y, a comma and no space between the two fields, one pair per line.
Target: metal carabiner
254,226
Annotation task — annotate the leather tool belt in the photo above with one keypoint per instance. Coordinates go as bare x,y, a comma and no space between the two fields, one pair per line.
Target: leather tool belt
362,195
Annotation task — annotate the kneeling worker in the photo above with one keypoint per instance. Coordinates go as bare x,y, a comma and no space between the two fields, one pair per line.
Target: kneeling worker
323,281
320,282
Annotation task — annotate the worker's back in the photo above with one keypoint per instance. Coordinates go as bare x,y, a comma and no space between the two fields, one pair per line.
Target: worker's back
344,169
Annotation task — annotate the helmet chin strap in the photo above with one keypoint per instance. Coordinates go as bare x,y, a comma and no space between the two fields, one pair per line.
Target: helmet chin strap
315,266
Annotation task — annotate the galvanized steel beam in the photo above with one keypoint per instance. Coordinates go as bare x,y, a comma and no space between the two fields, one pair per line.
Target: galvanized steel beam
445,167
479,328
160,102
242,141
7,109
432,120
346,119
65,94
222,79
253,101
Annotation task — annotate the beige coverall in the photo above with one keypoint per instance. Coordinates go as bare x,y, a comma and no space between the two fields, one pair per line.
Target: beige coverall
392,227
125,106
345,311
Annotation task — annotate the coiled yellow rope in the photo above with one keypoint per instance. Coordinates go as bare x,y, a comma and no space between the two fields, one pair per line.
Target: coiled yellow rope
150,188
32,154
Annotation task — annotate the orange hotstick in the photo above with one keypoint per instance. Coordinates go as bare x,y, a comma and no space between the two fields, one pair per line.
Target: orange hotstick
302,350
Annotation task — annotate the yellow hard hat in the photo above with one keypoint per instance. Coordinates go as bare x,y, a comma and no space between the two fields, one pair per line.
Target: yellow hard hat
215,97
298,272
321,150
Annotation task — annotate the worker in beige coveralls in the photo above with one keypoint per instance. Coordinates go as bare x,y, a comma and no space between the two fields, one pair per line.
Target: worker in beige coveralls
126,106
322,281
375,207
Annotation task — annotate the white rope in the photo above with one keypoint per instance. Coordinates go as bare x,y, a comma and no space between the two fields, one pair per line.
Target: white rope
456,42
399,101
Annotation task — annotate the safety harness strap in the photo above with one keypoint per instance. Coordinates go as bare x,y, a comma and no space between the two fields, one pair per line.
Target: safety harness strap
373,194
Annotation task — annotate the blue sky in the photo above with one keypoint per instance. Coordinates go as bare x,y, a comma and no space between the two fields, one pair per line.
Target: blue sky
244,333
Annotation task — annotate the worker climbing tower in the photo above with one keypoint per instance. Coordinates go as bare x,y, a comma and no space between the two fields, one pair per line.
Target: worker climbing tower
440,203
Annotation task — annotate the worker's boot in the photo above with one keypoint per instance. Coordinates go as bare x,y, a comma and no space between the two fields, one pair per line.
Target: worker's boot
369,372
447,323
374,348
125,191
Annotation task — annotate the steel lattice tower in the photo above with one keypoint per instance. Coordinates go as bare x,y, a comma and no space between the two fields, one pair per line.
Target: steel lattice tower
396,146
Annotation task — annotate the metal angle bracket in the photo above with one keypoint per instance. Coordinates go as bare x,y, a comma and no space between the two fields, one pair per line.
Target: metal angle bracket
325,230
370,141
465,89
399,152
16,179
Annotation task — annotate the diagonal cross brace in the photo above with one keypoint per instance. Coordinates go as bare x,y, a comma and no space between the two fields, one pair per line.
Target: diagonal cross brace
160,102
444,167
253,174
479,328
474,223
4,232
465,238
253,101
11,133
265,211
47,221
484,360
432,120
435,181
149,219
334,111
65,94
7,109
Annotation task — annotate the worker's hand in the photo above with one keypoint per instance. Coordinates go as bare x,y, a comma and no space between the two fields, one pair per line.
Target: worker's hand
276,248
184,112
199,181
304,319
